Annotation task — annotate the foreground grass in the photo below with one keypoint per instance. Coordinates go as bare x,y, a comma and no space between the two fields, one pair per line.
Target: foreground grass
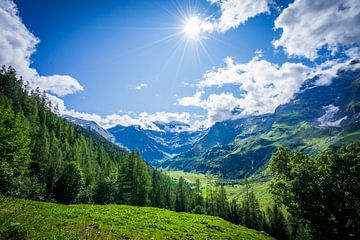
24,219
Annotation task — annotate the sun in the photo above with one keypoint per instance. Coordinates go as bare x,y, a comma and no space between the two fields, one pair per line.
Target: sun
191,28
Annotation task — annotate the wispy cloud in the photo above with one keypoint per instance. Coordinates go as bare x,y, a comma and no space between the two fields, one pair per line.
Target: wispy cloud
17,44
237,12
141,86
233,13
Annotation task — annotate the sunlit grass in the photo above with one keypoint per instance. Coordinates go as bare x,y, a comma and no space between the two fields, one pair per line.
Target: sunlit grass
39,220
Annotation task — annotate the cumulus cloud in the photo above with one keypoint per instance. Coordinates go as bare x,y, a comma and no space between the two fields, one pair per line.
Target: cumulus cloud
263,86
17,44
141,86
308,26
220,107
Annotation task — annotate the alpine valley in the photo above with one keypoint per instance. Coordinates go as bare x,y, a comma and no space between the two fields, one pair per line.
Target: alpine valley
319,116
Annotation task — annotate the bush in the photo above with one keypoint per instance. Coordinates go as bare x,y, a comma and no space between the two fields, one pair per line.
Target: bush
14,231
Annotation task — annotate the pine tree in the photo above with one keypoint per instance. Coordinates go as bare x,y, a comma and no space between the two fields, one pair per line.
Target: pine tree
199,200
142,186
14,152
181,200
235,213
221,203
277,223
69,185
252,216
157,192
104,192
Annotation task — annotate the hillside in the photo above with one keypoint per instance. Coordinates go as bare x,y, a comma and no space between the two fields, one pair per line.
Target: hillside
38,220
318,117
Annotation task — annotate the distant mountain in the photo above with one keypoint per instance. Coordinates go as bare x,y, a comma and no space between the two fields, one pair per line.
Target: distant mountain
317,117
173,126
90,125
156,145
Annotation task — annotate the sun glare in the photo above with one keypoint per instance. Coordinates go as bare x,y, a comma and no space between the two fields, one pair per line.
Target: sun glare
192,28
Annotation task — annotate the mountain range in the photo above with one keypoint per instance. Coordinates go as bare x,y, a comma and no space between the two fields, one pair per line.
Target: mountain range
317,117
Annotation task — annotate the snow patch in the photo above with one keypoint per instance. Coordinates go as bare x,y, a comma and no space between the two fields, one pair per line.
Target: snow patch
327,120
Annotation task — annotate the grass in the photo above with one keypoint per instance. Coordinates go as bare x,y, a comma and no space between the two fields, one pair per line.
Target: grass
191,177
24,219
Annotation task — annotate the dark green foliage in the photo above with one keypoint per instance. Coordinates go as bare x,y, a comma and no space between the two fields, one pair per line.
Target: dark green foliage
69,185
277,225
199,199
14,152
323,191
36,167
14,231
181,201
252,216
157,192
222,204
134,181
104,192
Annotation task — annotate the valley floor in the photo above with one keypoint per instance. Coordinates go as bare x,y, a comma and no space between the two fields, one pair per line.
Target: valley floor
24,219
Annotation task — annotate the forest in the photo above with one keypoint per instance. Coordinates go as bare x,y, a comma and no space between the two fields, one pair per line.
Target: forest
43,157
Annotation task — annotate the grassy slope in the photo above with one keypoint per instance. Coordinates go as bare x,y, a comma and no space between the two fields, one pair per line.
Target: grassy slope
39,220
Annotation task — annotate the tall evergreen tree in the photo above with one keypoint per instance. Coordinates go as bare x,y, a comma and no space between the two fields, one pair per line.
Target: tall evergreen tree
222,204
14,152
181,199
69,185
252,216
277,223
157,192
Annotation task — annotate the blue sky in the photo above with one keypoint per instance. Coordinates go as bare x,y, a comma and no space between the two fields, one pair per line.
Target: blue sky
133,58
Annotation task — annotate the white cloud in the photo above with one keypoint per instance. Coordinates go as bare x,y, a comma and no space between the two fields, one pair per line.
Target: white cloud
219,106
17,44
141,86
60,85
308,26
233,14
144,120
263,86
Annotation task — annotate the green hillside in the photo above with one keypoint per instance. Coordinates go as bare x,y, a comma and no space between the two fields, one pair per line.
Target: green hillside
39,220
239,148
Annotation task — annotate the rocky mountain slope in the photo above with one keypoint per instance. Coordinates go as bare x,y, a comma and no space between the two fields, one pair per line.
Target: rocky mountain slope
317,117
156,145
